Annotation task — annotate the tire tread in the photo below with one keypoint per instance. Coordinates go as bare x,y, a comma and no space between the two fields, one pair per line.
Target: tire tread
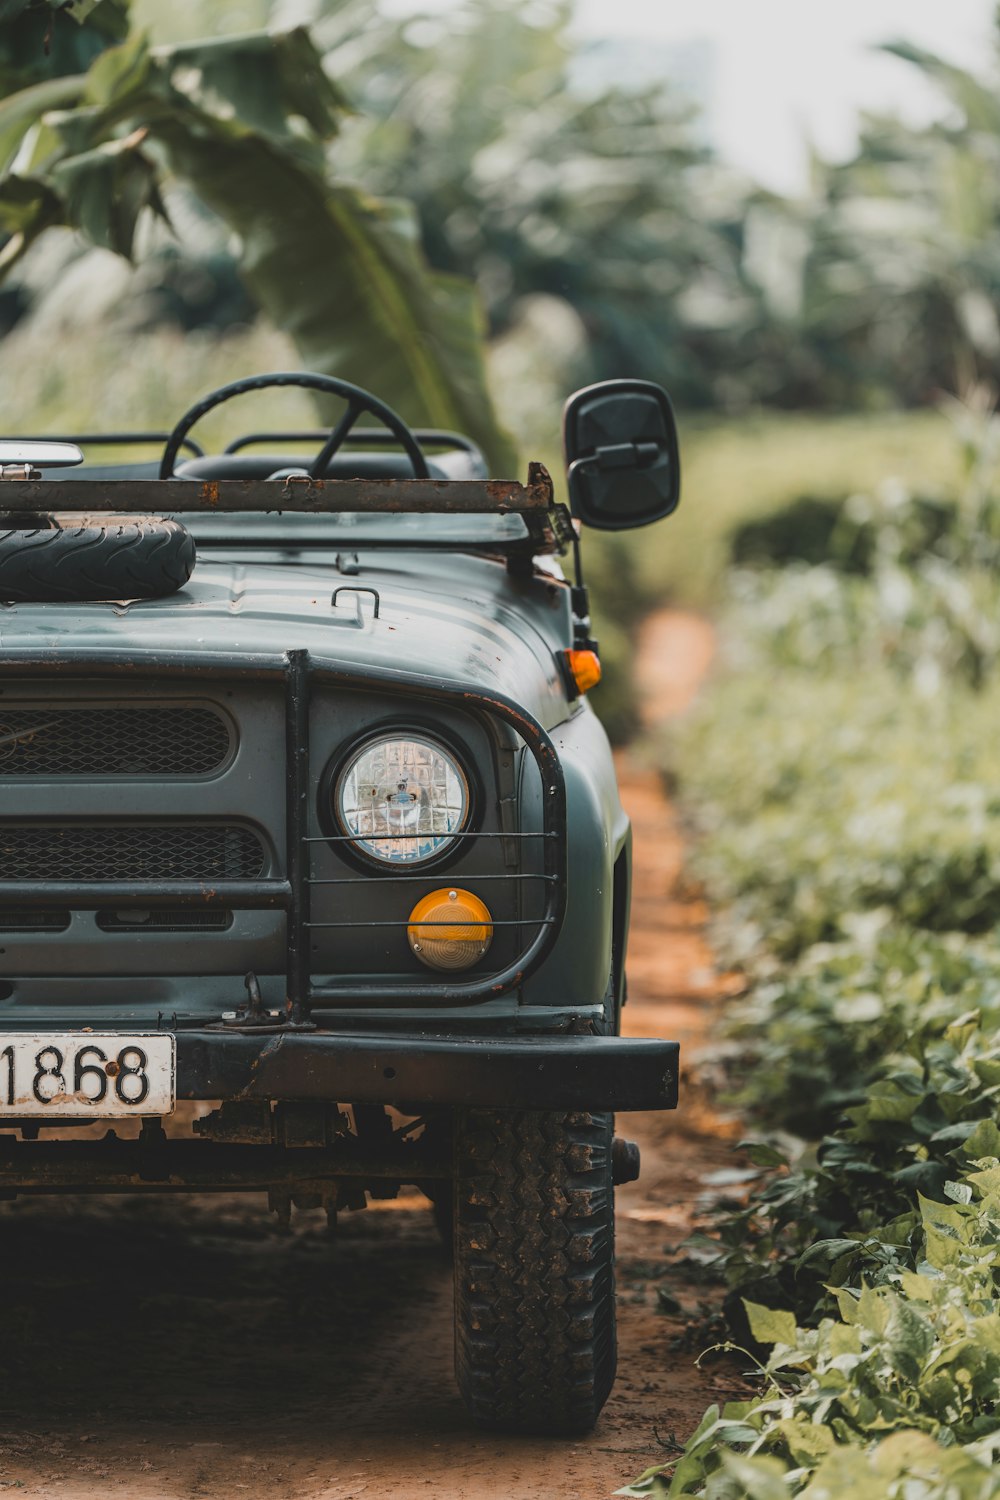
534,1269
138,557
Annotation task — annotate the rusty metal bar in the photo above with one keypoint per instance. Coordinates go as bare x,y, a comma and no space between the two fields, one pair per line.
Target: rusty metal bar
322,496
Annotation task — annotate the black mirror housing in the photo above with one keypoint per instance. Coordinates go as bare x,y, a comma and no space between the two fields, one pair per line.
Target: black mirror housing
622,457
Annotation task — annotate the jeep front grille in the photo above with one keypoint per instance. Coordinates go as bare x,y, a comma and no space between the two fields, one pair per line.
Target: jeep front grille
14,920
130,852
164,739
172,920
80,851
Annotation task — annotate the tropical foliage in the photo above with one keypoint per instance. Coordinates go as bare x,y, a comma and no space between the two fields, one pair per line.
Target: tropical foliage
243,122
599,231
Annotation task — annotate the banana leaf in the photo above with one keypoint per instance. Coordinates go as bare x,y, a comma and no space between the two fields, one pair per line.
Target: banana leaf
344,276
243,122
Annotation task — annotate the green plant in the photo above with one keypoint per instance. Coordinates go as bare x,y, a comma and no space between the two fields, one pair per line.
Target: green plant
843,781
243,121
892,1397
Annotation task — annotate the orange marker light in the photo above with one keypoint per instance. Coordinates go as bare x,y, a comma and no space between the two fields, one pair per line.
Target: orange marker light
450,929
584,668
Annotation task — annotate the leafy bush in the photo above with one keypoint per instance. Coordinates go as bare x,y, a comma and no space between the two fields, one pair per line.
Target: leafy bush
843,532
934,625
893,1397
824,795
844,781
847,1207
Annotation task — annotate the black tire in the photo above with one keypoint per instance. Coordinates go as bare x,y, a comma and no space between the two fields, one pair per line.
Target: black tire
535,1345
86,558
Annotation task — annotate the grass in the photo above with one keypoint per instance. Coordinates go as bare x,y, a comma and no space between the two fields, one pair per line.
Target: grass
738,471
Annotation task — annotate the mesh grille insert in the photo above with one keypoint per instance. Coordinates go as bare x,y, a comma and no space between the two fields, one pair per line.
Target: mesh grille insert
170,919
15,920
164,739
151,851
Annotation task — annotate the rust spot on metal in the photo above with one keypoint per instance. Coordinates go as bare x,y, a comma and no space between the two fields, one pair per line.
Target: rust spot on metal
210,492
112,1069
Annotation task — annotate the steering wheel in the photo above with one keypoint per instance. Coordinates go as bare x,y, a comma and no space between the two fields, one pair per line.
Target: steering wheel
358,401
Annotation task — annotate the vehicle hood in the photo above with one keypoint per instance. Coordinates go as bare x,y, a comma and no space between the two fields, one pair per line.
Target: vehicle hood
463,620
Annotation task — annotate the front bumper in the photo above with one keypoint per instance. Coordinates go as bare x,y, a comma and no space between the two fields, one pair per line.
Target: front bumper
304,1069
414,1073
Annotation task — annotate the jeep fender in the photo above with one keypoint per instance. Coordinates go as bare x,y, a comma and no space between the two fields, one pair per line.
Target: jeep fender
598,834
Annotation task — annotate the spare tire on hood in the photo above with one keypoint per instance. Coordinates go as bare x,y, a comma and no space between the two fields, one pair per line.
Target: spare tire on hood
71,558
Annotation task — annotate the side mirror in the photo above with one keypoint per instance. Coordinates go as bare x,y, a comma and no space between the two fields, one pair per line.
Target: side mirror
622,460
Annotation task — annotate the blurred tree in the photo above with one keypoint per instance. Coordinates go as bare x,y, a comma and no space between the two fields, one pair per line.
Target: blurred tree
535,186
902,282
601,234
103,120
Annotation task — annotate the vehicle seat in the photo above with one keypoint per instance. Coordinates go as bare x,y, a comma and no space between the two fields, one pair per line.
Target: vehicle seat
454,463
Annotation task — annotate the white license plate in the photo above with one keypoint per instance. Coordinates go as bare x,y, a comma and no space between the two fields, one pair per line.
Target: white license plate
82,1073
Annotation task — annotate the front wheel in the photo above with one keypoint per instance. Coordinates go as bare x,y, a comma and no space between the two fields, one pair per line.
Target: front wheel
535,1344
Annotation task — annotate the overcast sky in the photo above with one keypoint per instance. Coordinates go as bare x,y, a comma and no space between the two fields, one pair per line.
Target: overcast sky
788,68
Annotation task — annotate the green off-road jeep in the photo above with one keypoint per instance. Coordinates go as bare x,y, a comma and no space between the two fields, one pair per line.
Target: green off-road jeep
314,875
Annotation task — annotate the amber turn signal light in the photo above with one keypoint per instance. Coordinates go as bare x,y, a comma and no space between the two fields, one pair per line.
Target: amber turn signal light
450,929
584,668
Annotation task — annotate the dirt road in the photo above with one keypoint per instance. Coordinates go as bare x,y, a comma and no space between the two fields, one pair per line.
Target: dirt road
184,1348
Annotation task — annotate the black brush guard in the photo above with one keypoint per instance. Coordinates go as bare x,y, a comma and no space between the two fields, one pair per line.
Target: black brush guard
289,1058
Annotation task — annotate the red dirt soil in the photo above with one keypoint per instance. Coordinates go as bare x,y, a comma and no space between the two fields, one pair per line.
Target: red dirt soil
160,1348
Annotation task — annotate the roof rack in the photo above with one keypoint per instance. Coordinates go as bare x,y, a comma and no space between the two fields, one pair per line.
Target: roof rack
547,523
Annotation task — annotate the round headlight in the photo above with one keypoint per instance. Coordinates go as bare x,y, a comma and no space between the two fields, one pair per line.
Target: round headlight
402,800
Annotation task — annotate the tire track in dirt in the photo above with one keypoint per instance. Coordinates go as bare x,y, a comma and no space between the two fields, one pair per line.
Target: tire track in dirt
167,1349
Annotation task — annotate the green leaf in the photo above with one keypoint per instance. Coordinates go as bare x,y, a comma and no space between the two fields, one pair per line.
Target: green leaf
987,1180
848,1305
760,1478
843,1340
984,1140
770,1325
762,1154
824,1253
808,1442
241,120
104,191
265,79
27,208
910,1336
873,1310
18,112
344,276
119,75
985,1332
978,101
79,10
918,1288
